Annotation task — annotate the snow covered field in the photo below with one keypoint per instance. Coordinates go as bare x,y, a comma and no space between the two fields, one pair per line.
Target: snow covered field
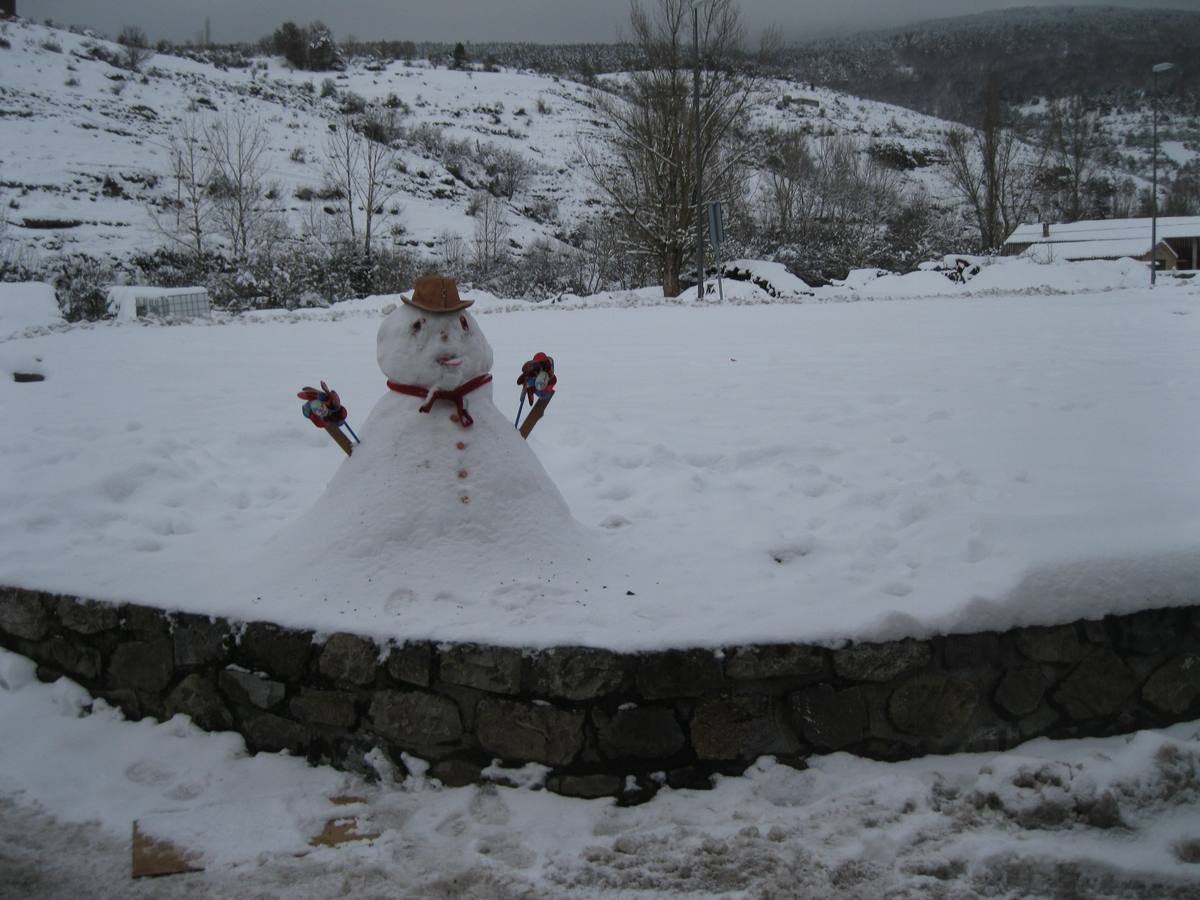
1104,818
770,471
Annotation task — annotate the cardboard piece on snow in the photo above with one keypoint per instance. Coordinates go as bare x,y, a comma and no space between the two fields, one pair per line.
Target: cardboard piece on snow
153,857
342,829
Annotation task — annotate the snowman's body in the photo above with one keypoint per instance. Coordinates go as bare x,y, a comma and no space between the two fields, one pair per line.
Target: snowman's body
424,479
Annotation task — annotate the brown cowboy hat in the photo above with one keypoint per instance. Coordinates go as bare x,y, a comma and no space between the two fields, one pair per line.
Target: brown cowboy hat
436,294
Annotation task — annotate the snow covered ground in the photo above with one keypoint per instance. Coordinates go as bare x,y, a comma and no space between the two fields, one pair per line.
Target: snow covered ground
753,471
1103,818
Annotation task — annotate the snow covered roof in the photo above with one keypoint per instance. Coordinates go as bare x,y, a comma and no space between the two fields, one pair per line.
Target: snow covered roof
1135,248
124,300
1108,230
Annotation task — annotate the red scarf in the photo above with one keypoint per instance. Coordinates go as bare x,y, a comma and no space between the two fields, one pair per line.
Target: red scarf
456,395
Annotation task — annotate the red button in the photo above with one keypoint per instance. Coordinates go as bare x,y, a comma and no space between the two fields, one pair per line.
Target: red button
461,446
462,473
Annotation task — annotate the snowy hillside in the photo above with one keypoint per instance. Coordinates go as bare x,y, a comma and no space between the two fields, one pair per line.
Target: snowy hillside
84,156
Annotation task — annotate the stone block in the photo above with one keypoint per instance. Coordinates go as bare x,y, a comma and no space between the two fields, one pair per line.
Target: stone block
456,772
960,651
678,673
23,614
280,652
411,663
1099,686
334,709
200,641
521,732
349,659
198,698
881,662
246,687
81,662
1020,690
1175,687
267,732
645,732
579,673
86,616
1152,631
741,727
414,719
829,718
586,787
147,622
496,670
767,661
142,665
1056,644
933,705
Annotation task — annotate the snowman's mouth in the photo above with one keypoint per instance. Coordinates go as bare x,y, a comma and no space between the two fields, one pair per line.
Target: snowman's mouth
449,361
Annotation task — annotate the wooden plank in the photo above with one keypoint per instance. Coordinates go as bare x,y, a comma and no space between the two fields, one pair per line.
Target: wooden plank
153,858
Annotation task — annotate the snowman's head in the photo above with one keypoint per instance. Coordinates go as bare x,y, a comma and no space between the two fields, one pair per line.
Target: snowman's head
435,350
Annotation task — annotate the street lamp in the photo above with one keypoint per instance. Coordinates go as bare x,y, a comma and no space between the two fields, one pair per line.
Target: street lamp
1160,67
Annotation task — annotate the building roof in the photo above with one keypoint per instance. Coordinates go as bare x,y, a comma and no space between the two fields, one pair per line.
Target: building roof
1108,230
1136,248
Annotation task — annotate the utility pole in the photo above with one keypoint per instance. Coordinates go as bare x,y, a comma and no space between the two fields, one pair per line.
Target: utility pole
699,160
1160,67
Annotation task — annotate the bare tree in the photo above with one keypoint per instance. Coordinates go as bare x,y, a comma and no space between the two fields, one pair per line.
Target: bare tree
1072,134
187,218
361,169
489,247
994,172
238,186
646,163
135,47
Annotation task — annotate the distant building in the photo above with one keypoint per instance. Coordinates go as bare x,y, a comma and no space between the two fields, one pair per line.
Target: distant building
8,9
1178,240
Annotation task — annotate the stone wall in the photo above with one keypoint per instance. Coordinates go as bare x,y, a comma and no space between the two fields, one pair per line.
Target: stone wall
607,723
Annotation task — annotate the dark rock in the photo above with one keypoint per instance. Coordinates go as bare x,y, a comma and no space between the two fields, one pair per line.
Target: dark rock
267,732
647,732
579,673
86,616
1152,631
199,640
411,663
79,662
1098,686
415,719
828,718
456,772
933,705
881,662
147,621
277,651
777,661
522,732
332,708
1038,723
1175,686
1020,691
349,659
678,673
1096,633
693,778
586,787
739,727
246,687
496,670
142,665
23,615
196,697
1058,644
965,650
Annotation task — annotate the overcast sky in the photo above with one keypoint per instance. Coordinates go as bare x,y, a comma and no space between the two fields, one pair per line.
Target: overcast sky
547,21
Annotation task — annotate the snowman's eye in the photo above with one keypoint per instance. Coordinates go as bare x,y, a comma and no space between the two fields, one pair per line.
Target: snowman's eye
462,320
416,326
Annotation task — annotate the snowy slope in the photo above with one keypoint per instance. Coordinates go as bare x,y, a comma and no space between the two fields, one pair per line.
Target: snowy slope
71,122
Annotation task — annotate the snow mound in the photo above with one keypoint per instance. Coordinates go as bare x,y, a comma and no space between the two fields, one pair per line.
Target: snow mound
27,304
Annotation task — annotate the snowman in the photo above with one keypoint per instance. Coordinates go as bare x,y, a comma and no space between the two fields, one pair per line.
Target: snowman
439,466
